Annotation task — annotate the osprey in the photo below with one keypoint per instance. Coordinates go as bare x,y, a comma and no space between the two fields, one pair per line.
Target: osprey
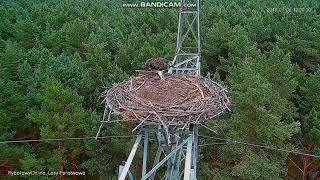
157,64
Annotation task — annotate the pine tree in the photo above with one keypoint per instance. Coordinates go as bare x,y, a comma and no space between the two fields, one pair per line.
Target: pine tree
60,115
13,106
259,107
310,93
311,140
10,60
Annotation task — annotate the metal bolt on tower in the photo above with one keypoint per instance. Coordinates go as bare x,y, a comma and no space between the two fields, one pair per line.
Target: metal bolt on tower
176,154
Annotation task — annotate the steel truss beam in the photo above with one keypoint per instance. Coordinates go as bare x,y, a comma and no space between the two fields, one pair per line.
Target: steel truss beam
126,167
188,49
182,149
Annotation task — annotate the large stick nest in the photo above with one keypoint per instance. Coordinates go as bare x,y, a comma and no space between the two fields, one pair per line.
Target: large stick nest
177,99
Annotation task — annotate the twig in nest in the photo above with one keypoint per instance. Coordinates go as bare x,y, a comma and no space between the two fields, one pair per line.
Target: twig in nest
151,104
139,125
117,100
208,128
140,86
117,121
130,84
184,126
227,107
104,99
104,112
164,126
202,95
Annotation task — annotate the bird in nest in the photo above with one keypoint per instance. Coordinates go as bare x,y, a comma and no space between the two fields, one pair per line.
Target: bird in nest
157,64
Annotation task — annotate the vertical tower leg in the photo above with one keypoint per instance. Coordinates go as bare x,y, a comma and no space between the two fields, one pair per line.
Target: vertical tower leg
187,166
145,153
194,153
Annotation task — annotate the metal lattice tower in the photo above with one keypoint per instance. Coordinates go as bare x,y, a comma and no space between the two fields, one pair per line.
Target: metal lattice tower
176,154
188,47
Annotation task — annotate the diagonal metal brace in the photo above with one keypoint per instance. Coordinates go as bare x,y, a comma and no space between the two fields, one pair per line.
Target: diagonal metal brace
165,159
130,158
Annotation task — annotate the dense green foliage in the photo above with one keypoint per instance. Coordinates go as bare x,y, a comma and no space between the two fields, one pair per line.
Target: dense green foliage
56,57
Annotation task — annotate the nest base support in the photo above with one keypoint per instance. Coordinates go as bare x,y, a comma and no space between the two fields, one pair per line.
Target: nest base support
179,157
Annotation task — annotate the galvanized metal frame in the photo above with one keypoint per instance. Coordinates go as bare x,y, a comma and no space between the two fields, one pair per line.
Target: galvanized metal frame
183,149
177,146
188,47
125,169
